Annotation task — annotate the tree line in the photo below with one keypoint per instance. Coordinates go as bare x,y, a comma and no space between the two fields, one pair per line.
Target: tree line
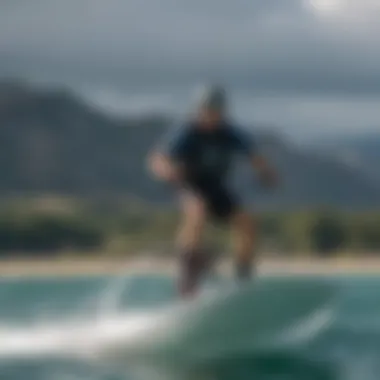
133,228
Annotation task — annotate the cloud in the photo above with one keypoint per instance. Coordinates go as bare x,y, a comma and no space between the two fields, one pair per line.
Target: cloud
124,104
308,117
266,45
150,51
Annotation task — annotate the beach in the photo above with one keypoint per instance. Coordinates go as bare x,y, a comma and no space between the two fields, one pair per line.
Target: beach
109,266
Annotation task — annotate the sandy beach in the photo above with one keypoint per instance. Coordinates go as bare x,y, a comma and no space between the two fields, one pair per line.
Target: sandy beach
101,266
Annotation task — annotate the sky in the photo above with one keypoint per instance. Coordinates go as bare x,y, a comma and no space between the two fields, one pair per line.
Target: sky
307,67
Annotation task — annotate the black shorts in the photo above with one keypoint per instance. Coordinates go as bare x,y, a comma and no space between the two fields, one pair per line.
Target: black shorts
220,201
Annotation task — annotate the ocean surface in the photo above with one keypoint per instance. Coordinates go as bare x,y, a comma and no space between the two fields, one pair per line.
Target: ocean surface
54,329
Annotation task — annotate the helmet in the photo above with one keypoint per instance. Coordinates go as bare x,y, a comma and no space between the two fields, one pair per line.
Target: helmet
212,97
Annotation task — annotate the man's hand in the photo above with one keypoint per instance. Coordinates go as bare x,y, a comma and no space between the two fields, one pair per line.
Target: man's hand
165,169
268,176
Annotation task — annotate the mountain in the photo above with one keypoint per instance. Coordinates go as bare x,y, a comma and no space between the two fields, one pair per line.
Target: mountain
52,141
361,151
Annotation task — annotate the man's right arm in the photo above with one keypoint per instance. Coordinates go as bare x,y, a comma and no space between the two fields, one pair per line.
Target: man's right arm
163,167
165,161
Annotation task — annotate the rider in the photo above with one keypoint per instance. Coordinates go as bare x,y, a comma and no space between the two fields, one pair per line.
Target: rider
196,157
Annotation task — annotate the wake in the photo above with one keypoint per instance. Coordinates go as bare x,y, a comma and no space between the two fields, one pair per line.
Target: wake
84,338
252,319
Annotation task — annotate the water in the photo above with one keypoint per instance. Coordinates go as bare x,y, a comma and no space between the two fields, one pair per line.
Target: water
49,329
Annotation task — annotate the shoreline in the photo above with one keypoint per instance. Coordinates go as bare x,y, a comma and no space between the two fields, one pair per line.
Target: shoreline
73,267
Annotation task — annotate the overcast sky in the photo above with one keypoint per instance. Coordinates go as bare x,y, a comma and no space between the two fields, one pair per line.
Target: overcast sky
304,65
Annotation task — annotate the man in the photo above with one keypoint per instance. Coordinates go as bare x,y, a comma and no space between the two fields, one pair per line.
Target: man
196,158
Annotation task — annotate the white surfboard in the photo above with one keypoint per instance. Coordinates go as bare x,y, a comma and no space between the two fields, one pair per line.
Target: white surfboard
228,322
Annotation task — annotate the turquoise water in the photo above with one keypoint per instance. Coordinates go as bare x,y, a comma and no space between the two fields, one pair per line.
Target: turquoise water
39,318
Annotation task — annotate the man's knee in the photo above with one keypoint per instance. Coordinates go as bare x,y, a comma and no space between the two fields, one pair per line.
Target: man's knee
193,222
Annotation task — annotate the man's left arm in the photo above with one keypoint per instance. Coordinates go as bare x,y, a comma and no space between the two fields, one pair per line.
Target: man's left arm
246,145
266,172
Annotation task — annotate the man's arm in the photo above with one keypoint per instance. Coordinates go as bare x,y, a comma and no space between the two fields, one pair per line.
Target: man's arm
246,145
266,172
165,160
163,167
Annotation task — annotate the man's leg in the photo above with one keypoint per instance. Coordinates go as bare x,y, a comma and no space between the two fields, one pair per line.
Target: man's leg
244,243
225,207
189,242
